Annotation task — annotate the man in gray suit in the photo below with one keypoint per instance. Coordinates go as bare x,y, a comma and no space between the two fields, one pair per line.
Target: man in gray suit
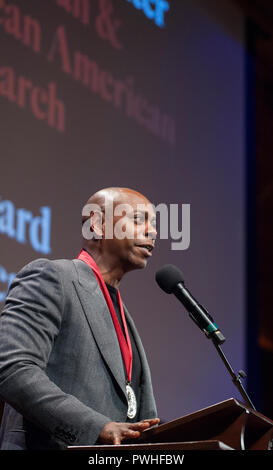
62,366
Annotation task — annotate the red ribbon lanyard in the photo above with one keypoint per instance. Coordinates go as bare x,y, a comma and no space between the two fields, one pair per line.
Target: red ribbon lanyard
125,344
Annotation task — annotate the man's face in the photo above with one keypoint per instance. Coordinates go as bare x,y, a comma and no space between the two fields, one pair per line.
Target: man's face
132,223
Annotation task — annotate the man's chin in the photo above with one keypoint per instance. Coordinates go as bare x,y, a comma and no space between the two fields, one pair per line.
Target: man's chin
139,263
142,264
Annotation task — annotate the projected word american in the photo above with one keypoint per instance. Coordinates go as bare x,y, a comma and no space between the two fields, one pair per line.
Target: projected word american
154,9
23,226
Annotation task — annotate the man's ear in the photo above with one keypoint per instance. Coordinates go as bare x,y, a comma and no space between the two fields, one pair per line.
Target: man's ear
97,224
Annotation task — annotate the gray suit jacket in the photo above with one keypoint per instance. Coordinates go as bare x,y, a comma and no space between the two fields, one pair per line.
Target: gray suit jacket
61,369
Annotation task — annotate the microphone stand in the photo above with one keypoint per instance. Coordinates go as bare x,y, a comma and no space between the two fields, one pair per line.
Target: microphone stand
236,379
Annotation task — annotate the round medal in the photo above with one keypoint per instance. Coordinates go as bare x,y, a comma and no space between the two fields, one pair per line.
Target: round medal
132,403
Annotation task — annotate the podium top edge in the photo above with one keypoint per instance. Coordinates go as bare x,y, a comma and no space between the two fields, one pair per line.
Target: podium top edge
220,405
231,404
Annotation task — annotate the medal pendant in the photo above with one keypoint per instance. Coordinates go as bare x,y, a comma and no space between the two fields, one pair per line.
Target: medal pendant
132,403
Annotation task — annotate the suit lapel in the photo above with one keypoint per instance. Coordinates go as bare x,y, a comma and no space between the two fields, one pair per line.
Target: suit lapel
99,320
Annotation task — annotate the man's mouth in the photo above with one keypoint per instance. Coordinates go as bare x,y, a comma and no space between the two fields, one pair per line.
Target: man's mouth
146,248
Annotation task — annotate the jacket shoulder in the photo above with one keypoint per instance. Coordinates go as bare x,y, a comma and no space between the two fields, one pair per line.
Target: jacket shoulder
62,269
45,263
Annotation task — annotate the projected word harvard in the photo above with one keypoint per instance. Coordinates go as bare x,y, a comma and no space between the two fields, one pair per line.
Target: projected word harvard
21,225
153,9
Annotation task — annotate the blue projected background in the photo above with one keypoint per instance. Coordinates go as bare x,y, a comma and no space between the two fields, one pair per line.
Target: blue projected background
97,94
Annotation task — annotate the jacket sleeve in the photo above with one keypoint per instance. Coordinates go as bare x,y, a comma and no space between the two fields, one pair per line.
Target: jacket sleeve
29,324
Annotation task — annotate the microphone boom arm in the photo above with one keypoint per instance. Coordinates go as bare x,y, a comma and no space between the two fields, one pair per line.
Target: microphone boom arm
235,378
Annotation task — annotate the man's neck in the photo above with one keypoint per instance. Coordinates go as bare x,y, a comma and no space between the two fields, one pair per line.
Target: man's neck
111,274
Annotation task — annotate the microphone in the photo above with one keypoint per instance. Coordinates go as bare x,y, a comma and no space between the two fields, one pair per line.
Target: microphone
171,280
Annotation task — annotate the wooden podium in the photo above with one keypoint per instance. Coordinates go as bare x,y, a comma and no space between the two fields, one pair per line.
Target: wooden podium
228,425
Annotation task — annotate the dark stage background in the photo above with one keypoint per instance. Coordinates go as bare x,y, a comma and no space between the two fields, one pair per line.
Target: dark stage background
96,94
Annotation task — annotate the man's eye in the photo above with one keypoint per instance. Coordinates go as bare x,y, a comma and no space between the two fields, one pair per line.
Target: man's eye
139,219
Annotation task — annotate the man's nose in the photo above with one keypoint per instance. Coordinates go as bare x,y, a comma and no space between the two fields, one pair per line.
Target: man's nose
151,231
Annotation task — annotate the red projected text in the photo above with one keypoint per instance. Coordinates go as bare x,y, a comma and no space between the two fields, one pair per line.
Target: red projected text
118,91
21,27
79,9
106,23
42,102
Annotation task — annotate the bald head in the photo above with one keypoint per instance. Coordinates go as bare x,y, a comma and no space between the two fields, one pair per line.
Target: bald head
116,195
112,197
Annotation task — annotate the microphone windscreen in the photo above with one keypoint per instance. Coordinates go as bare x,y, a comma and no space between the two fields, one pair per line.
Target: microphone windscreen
168,277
